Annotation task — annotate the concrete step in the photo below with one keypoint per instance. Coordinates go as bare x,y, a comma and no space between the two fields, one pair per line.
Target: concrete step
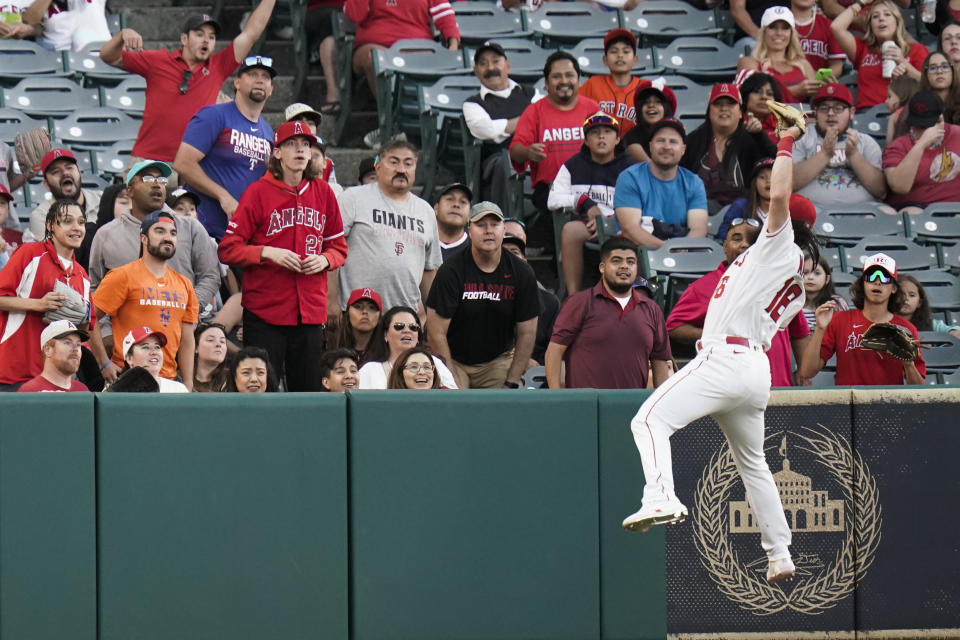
161,22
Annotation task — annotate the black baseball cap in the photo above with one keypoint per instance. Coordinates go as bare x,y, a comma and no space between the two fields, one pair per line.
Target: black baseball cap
669,122
517,240
924,109
451,187
257,62
366,166
488,46
197,20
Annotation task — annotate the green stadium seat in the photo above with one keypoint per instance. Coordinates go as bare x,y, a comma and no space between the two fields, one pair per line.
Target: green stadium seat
95,128
480,21
130,96
567,23
941,351
25,58
847,224
909,255
49,96
660,21
13,122
700,58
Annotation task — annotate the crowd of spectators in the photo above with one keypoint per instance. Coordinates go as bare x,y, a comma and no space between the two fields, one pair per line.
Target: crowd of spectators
262,273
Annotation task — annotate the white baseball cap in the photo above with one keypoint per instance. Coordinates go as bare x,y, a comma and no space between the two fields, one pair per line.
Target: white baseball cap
883,261
773,14
59,329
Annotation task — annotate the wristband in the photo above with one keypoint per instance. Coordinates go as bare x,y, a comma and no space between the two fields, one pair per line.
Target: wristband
785,147
106,364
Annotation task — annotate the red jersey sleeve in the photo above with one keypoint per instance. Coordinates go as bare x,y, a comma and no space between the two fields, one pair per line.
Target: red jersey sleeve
917,54
12,272
235,248
224,62
444,19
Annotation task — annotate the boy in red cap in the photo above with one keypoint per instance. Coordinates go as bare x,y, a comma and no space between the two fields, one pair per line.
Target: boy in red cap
287,233
615,92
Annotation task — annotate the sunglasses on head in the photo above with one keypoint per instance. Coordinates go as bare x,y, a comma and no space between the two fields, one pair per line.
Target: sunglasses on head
262,61
753,222
399,326
878,275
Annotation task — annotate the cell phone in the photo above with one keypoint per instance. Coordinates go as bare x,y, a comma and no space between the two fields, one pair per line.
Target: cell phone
825,75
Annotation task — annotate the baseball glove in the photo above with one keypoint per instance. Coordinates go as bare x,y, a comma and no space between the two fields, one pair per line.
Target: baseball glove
892,339
787,117
74,308
30,147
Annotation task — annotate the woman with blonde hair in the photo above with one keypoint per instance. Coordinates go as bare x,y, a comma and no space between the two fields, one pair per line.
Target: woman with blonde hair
778,54
884,25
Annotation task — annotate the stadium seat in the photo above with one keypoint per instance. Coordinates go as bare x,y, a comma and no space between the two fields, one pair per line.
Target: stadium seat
841,285
84,160
941,351
343,34
526,58
129,96
834,257
589,54
847,224
942,287
25,58
558,24
938,224
480,21
113,160
535,378
679,262
13,122
714,222
873,121
442,137
87,65
115,23
691,96
399,72
950,378
909,255
824,379
699,57
95,128
660,21
49,96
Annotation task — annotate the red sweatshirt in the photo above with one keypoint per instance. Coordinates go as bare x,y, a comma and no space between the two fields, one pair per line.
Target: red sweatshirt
304,219
387,21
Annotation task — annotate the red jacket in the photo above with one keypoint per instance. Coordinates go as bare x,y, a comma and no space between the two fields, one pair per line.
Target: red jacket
385,22
306,220
31,273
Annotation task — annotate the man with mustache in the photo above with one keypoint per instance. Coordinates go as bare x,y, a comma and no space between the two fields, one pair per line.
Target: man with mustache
492,116
148,293
180,83
611,335
226,146
118,242
62,178
551,130
392,236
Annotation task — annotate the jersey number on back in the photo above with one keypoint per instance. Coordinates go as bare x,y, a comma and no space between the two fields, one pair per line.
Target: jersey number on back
788,292
720,287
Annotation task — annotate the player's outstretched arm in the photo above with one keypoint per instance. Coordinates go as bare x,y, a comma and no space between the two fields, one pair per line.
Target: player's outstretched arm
781,179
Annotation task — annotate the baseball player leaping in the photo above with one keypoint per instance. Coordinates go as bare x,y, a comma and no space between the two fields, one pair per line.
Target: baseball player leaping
730,377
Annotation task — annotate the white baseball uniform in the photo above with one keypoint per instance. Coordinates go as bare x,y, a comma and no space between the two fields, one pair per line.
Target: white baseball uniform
730,379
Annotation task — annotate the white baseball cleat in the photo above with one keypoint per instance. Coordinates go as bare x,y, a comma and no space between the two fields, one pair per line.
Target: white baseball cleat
780,570
652,514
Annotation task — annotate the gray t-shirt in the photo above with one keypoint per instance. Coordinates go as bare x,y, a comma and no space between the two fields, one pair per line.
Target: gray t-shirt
390,244
837,183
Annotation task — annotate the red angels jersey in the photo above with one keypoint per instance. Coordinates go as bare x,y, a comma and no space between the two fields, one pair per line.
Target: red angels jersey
760,292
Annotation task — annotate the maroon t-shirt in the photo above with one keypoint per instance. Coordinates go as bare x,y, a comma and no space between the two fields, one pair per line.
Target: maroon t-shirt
609,347
42,384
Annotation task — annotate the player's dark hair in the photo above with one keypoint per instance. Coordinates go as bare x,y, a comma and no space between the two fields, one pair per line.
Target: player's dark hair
378,350
803,237
756,82
396,380
829,288
330,358
395,144
922,317
248,353
858,297
56,212
557,56
617,243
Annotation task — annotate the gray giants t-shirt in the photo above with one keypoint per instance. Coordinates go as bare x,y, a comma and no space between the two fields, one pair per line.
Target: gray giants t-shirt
837,183
390,244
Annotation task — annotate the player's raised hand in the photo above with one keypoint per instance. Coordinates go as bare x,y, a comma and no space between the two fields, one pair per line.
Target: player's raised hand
824,314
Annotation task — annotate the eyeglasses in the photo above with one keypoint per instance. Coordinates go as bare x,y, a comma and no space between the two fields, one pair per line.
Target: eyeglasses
399,326
836,109
148,179
413,367
753,222
877,275
936,68
185,83
258,61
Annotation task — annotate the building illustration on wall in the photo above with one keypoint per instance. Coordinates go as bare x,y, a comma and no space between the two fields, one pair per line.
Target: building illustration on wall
806,510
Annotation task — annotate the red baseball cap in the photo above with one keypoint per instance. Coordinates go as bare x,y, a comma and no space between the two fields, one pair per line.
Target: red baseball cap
366,294
724,90
659,87
833,91
4,193
53,155
619,34
138,335
803,210
291,130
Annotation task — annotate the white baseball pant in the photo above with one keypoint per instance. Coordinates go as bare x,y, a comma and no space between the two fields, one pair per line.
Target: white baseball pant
730,383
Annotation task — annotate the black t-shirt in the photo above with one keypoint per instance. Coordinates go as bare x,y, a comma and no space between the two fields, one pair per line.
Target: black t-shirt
484,308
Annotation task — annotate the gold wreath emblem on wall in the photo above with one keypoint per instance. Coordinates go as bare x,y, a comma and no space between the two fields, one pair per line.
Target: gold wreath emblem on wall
838,579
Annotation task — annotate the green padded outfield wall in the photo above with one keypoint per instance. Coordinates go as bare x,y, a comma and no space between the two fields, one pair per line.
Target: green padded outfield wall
214,528
474,518
47,517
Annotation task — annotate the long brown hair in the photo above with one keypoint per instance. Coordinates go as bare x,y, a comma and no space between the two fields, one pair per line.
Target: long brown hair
396,379
922,317
273,166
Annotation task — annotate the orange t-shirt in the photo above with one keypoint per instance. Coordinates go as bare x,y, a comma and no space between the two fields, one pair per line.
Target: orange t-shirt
134,297
617,101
